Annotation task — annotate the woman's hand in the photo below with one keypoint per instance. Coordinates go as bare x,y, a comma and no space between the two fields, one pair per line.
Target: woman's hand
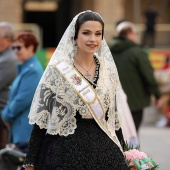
163,103
29,168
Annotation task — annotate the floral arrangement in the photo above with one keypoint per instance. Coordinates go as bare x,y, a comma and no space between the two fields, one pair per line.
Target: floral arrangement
138,160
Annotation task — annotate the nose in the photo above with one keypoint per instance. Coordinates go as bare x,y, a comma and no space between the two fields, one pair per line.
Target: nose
92,37
15,50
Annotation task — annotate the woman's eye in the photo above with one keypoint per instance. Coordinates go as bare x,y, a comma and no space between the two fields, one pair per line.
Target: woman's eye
85,33
98,34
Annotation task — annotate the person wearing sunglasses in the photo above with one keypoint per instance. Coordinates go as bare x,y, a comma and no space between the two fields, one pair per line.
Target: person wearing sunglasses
15,114
8,72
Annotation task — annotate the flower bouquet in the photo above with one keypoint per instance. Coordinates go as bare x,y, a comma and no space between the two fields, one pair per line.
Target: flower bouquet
138,160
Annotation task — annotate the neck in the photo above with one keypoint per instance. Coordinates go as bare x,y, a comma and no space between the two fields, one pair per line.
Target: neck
86,65
84,60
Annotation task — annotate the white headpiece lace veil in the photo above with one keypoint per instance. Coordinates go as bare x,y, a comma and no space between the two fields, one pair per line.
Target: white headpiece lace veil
55,103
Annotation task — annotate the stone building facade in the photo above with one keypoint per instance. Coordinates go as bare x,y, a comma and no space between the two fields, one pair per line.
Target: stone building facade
110,10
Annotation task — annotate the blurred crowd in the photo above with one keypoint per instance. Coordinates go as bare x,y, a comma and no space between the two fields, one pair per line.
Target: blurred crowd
20,72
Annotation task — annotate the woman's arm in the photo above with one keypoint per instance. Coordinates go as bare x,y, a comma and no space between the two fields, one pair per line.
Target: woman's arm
22,99
119,134
34,147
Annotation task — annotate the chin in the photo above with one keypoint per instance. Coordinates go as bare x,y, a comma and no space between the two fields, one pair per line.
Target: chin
20,62
93,51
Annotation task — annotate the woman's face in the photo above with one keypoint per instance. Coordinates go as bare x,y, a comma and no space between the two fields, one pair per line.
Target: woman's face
89,37
21,51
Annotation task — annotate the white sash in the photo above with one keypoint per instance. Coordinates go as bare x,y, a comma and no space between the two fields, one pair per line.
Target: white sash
87,93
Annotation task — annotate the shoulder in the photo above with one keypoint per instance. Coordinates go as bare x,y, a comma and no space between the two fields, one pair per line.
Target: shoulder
32,69
8,56
111,43
35,64
138,50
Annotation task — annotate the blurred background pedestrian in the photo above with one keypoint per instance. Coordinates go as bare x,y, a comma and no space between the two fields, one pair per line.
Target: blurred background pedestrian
150,18
15,113
135,70
8,71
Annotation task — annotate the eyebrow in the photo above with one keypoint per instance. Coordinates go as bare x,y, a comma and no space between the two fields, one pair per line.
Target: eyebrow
90,30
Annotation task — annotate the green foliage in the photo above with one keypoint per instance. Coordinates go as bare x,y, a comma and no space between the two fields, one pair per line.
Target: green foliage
154,168
128,163
127,147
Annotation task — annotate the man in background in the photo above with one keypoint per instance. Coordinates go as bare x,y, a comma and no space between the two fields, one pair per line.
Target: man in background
150,18
8,61
135,70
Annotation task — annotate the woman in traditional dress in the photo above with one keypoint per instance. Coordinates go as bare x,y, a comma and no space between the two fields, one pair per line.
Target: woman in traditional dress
76,107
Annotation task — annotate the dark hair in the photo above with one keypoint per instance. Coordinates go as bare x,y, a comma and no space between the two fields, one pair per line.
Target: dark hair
28,39
87,16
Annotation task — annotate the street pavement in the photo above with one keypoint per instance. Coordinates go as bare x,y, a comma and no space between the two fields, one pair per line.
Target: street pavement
155,141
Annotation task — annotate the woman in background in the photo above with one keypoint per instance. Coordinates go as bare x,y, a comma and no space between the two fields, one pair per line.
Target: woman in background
15,114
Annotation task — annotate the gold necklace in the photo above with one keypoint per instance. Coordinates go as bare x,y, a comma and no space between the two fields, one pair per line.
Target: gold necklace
84,76
87,75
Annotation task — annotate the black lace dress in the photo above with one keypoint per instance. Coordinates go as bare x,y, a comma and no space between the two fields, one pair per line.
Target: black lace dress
89,148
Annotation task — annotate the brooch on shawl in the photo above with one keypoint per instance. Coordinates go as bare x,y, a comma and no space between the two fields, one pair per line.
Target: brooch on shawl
76,79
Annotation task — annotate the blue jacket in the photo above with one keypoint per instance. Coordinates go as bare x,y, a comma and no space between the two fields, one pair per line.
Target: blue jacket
20,98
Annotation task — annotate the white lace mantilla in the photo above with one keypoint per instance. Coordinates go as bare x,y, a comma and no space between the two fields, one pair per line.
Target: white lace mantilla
55,103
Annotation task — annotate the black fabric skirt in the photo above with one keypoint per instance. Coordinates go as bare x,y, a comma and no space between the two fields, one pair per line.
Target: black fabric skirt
89,148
